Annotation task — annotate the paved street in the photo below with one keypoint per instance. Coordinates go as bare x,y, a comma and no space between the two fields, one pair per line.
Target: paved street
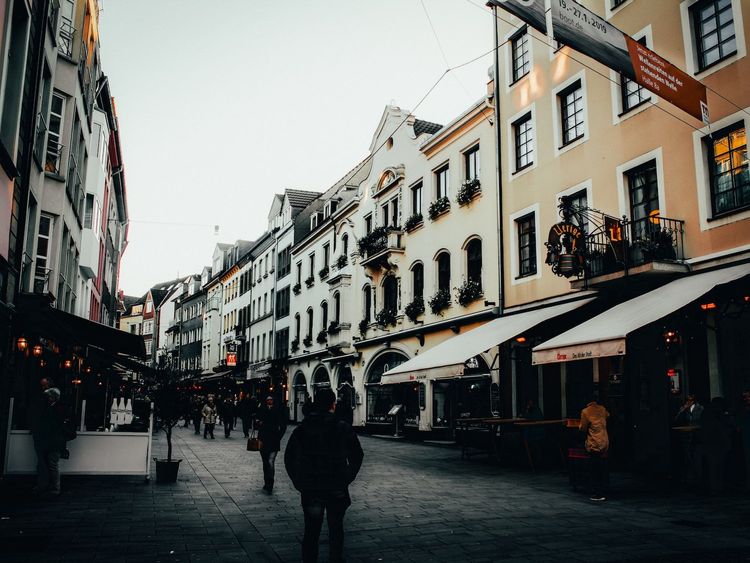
412,502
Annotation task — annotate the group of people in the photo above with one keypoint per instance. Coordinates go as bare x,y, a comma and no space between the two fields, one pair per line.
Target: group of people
322,457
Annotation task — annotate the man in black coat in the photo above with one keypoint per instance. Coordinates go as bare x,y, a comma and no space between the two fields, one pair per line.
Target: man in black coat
49,439
272,421
322,458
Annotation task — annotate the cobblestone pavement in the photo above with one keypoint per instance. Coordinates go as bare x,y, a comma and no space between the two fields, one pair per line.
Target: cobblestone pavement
411,503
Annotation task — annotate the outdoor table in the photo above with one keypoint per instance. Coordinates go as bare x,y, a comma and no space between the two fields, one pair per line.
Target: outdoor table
524,423
493,427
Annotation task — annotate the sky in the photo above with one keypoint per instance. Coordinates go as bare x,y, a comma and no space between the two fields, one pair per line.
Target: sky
220,109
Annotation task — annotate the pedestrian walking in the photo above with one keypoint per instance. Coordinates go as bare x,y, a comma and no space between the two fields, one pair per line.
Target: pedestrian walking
272,426
209,417
594,425
322,458
244,413
49,440
196,415
226,410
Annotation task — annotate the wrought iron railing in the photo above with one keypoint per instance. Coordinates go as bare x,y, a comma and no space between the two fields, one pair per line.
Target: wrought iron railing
627,244
53,157
65,35
39,140
41,280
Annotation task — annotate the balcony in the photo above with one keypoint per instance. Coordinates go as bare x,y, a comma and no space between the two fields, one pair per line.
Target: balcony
53,156
41,280
652,245
339,335
378,248
65,35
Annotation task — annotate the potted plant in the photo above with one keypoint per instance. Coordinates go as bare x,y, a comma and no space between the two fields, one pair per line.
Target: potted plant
310,281
414,309
333,327
323,273
295,344
322,337
364,324
341,261
307,341
469,189
386,317
469,291
438,207
297,288
440,301
168,409
413,221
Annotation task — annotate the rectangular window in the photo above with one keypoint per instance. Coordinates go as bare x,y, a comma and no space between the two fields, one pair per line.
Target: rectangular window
526,246
416,199
521,54
632,93
326,255
713,24
441,182
299,273
54,134
284,259
281,345
41,271
312,265
394,213
523,133
571,113
471,163
578,202
644,191
728,166
384,214
282,303
368,224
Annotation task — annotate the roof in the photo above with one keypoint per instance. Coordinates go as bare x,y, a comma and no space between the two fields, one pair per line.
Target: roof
130,300
301,198
421,126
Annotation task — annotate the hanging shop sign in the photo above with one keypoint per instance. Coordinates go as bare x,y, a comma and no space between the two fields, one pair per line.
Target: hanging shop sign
583,30
565,249
231,359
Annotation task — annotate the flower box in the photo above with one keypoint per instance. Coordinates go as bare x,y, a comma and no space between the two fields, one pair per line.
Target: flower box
414,309
469,291
438,207
413,222
440,301
310,281
307,341
322,337
333,327
296,288
468,191
323,273
386,317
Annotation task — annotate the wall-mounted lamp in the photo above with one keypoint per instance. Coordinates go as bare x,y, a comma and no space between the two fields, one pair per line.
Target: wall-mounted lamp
489,303
37,351
22,344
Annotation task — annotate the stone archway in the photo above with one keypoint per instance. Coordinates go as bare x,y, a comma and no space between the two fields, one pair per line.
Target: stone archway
320,379
300,394
345,392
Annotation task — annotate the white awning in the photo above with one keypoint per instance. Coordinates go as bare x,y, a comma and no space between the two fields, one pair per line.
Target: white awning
447,358
605,334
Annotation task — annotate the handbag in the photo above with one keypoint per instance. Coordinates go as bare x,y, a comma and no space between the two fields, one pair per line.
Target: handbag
69,432
253,442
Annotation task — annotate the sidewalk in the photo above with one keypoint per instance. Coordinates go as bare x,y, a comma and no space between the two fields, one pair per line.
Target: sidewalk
412,503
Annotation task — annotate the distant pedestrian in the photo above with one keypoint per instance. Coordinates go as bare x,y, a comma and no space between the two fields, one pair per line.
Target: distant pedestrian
594,424
322,458
743,425
227,415
195,414
272,421
49,440
209,417
690,414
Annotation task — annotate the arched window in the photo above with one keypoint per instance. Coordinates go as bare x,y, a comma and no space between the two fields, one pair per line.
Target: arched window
390,293
309,322
417,280
345,244
337,307
444,271
367,302
297,327
324,314
474,261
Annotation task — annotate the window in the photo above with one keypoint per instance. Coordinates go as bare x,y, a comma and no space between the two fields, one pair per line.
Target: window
571,113
312,265
345,244
54,134
367,302
265,303
281,344
417,276
474,261
284,260
390,293
282,303
713,25
41,272
309,322
394,212
617,3
633,94
368,223
416,198
337,307
297,326
471,163
520,53
298,281
441,182
324,315
526,245
523,133
444,271
579,201
643,188
326,255
728,167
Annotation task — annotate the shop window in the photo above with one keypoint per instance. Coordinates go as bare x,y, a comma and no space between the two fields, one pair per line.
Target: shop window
714,34
380,397
728,167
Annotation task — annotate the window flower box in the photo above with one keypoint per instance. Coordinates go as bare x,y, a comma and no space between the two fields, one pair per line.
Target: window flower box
341,261
296,288
322,337
413,222
310,281
438,207
364,324
333,327
323,273
307,341
440,301
386,317
414,309
295,344
468,191
468,292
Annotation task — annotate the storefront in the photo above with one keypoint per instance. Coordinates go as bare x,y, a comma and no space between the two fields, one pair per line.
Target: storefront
645,355
380,399
320,380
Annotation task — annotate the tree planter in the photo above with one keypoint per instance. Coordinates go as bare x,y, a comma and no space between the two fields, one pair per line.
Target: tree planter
166,471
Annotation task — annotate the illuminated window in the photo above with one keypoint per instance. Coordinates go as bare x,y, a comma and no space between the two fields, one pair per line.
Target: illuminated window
728,166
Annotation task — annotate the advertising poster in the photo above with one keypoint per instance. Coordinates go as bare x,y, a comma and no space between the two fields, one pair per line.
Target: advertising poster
531,12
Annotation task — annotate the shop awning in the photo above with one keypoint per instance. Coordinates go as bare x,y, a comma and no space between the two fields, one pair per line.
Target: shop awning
259,371
605,334
447,359
215,376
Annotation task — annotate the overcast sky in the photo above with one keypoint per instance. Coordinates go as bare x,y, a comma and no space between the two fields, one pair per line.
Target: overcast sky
221,108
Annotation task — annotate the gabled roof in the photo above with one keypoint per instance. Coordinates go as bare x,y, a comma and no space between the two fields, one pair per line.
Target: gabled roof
301,198
421,126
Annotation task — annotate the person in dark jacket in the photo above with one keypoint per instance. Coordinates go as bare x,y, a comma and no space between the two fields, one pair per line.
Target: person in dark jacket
272,426
195,414
243,411
322,458
49,440
226,412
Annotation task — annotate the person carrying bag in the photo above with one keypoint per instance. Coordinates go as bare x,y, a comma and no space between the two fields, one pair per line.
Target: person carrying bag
253,442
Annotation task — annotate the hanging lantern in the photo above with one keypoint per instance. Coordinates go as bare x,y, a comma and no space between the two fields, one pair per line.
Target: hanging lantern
22,344
67,364
37,351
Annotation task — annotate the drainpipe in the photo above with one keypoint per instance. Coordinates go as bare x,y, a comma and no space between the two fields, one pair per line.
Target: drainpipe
498,169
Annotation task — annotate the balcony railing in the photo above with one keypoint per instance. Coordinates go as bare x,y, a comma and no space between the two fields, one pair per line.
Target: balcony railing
635,243
376,247
53,156
65,35
41,280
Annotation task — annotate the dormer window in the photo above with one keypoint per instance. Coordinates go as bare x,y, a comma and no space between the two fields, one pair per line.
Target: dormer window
315,220
330,208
